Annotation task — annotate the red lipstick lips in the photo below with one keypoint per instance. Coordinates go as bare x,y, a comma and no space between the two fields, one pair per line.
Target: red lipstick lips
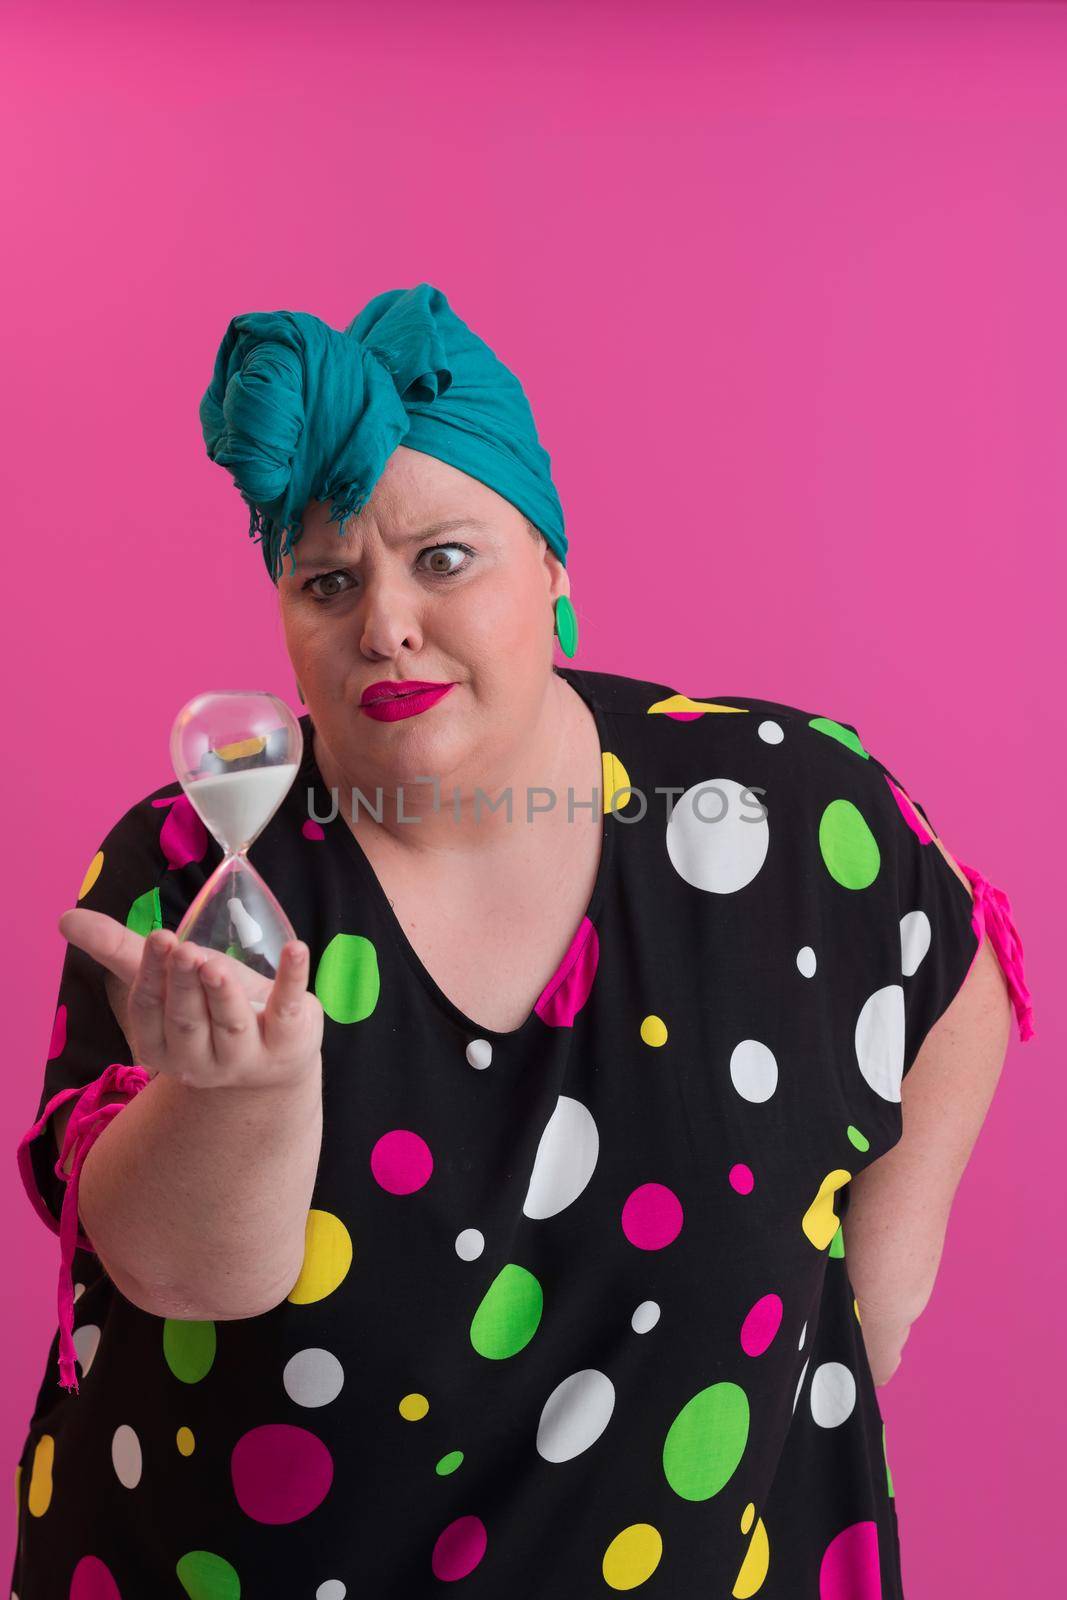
390,699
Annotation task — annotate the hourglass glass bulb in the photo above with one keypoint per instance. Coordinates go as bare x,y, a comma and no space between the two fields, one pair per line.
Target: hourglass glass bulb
236,753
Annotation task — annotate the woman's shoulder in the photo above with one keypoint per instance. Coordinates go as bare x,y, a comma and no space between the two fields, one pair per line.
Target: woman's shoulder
813,750
627,695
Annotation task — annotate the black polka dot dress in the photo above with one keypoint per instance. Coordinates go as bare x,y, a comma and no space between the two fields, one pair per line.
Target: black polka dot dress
574,1315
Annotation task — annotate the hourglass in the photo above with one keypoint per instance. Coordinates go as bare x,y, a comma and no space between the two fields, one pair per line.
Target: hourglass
236,753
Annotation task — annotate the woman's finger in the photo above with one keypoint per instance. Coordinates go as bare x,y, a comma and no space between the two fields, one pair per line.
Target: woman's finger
186,1026
283,1016
143,1024
116,947
234,1035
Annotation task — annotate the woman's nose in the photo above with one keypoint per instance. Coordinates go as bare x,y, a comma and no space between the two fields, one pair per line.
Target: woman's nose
388,619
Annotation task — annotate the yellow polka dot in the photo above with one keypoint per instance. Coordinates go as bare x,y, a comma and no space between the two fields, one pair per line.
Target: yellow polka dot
185,1441
632,1556
682,702
616,782
414,1407
654,1031
748,1516
91,875
327,1258
749,1580
820,1221
40,1495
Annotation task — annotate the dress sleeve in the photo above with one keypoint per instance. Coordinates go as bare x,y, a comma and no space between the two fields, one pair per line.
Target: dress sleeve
122,880
942,924
88,1056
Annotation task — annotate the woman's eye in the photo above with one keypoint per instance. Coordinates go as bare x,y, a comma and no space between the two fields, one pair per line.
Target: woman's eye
327,577
442,569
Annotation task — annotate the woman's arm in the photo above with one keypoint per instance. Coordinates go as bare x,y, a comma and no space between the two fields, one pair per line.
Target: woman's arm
195,1195
196,1200
899,1207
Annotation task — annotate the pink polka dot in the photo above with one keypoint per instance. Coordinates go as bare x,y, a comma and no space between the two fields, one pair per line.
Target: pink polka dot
652,1216
761,1325
459,1548
59,1034
911,816
280,1472
567,990
741,1178
312,829
401,1161
850,1569
183,837
91,1580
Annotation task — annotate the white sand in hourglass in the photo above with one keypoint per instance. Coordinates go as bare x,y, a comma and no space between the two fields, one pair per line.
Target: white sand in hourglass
234,805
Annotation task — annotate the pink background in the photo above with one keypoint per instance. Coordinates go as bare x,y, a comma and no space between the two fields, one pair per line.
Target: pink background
784,285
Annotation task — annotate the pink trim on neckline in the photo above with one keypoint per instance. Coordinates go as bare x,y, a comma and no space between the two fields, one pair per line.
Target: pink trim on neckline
88,1120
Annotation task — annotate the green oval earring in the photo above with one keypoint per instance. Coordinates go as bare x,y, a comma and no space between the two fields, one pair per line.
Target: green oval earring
566,626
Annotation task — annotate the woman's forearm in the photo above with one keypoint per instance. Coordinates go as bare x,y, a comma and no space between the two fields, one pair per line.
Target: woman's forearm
196,1200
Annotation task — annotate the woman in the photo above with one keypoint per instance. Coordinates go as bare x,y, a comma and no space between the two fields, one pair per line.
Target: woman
505,1244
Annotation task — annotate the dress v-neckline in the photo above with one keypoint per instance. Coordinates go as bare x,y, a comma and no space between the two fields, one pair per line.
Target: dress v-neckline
578,681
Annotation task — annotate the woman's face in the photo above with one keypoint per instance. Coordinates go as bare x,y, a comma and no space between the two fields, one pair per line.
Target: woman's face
379,602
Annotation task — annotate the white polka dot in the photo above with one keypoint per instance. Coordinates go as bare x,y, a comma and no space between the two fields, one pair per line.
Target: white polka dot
469,1244
645,1317
806,962
575,1415
880,1040
800,1385
479,1053
565,1159
332,1589
833,1394
914,940
803,1336
754,1071
771,732
717,836
126,1456
313,1377
86,1343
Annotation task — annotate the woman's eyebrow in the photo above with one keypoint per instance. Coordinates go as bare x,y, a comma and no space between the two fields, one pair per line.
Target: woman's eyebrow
447,525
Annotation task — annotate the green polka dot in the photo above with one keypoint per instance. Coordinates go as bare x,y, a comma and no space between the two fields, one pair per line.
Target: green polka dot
888,1474
205,1576
347,980
858,1139
145,915
838,731
509,1314
837,1245
449,1463
189,1348
848,846
706,1441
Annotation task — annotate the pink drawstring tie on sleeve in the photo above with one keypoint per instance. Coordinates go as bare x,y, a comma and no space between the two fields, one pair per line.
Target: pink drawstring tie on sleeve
991,915
87,1121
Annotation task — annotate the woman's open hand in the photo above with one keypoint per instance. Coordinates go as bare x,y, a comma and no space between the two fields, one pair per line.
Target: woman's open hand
200,1016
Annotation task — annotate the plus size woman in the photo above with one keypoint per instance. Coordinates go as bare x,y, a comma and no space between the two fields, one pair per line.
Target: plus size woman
549,1223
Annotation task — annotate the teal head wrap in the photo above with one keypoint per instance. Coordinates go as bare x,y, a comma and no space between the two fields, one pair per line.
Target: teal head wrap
297,410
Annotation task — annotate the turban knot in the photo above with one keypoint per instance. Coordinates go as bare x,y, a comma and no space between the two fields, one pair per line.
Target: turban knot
297,409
